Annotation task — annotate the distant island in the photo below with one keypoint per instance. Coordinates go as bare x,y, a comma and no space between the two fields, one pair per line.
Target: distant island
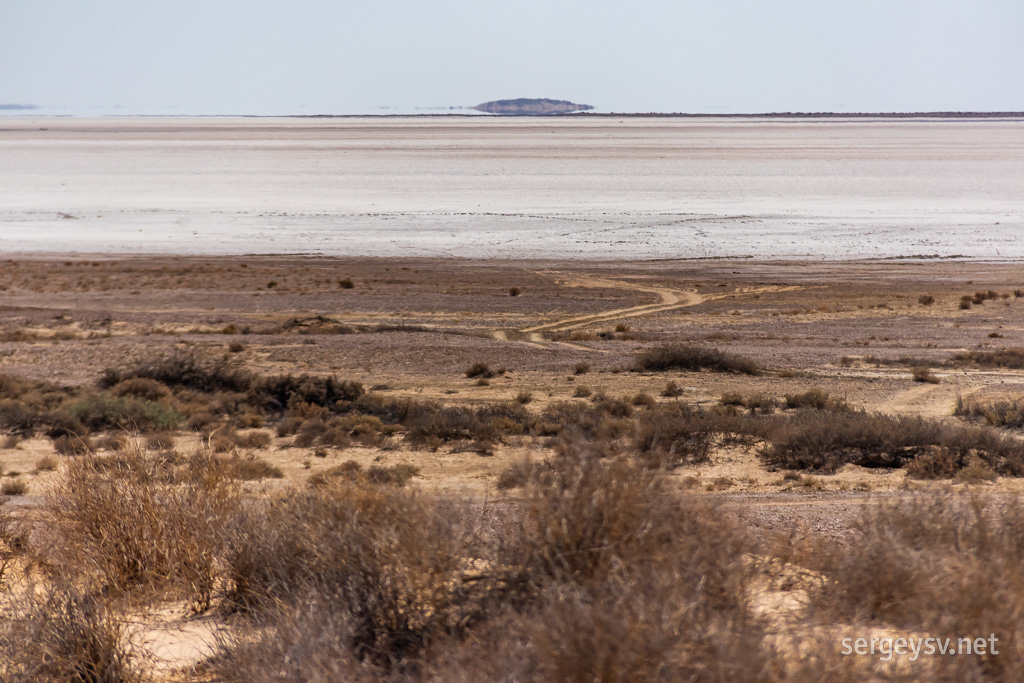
531,107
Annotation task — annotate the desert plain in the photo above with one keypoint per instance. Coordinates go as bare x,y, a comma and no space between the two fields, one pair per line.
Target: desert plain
802,339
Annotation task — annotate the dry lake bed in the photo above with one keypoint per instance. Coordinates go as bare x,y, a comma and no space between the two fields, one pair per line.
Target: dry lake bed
704,395
571,187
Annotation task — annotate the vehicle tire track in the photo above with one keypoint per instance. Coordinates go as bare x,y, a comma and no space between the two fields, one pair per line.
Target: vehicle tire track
668,298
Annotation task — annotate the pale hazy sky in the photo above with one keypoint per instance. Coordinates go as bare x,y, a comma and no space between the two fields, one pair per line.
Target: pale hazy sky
323,56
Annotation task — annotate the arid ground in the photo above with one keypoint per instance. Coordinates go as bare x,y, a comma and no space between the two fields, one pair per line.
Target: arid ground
910,338
465,399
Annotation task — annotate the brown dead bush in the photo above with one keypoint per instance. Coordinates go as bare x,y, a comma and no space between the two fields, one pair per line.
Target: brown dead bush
382,557
64,633
141,522
946,565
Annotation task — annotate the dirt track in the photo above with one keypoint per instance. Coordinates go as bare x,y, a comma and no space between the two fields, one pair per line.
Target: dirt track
419,324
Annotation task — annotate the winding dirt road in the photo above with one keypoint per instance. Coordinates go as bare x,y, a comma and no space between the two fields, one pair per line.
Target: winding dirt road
668,299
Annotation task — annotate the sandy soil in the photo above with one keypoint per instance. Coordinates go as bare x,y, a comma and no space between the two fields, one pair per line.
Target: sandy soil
416,324
526,188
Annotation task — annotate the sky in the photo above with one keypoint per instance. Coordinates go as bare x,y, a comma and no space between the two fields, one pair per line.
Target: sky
266,57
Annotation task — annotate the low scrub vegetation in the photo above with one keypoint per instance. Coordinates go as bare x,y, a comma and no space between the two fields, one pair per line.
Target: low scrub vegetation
1012,358
826,440
694,358
911,573
600,571
67,633
996,412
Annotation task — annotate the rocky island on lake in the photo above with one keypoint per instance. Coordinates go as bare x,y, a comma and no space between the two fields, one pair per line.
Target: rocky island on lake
531,107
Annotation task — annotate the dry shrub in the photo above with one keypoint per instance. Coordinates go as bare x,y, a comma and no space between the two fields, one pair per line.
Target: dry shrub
189,370
289,425
184,369
924,374
732,398
671,436
200,421
758,403
381,556
250,469
518,474
587,511
253,439
248,421
946,565
824,441
433,424
819,399
694,358
47,463
603,420
643,399
229,440
160,440
671,390
141,522
1003,358
309,432
141,387
365,429
479,370
998,413
633,584
73,445
396,475
309,641
113,442
976,472
350,470
14,487
276,393
934,462
27,405
63,633
606,576
634,627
